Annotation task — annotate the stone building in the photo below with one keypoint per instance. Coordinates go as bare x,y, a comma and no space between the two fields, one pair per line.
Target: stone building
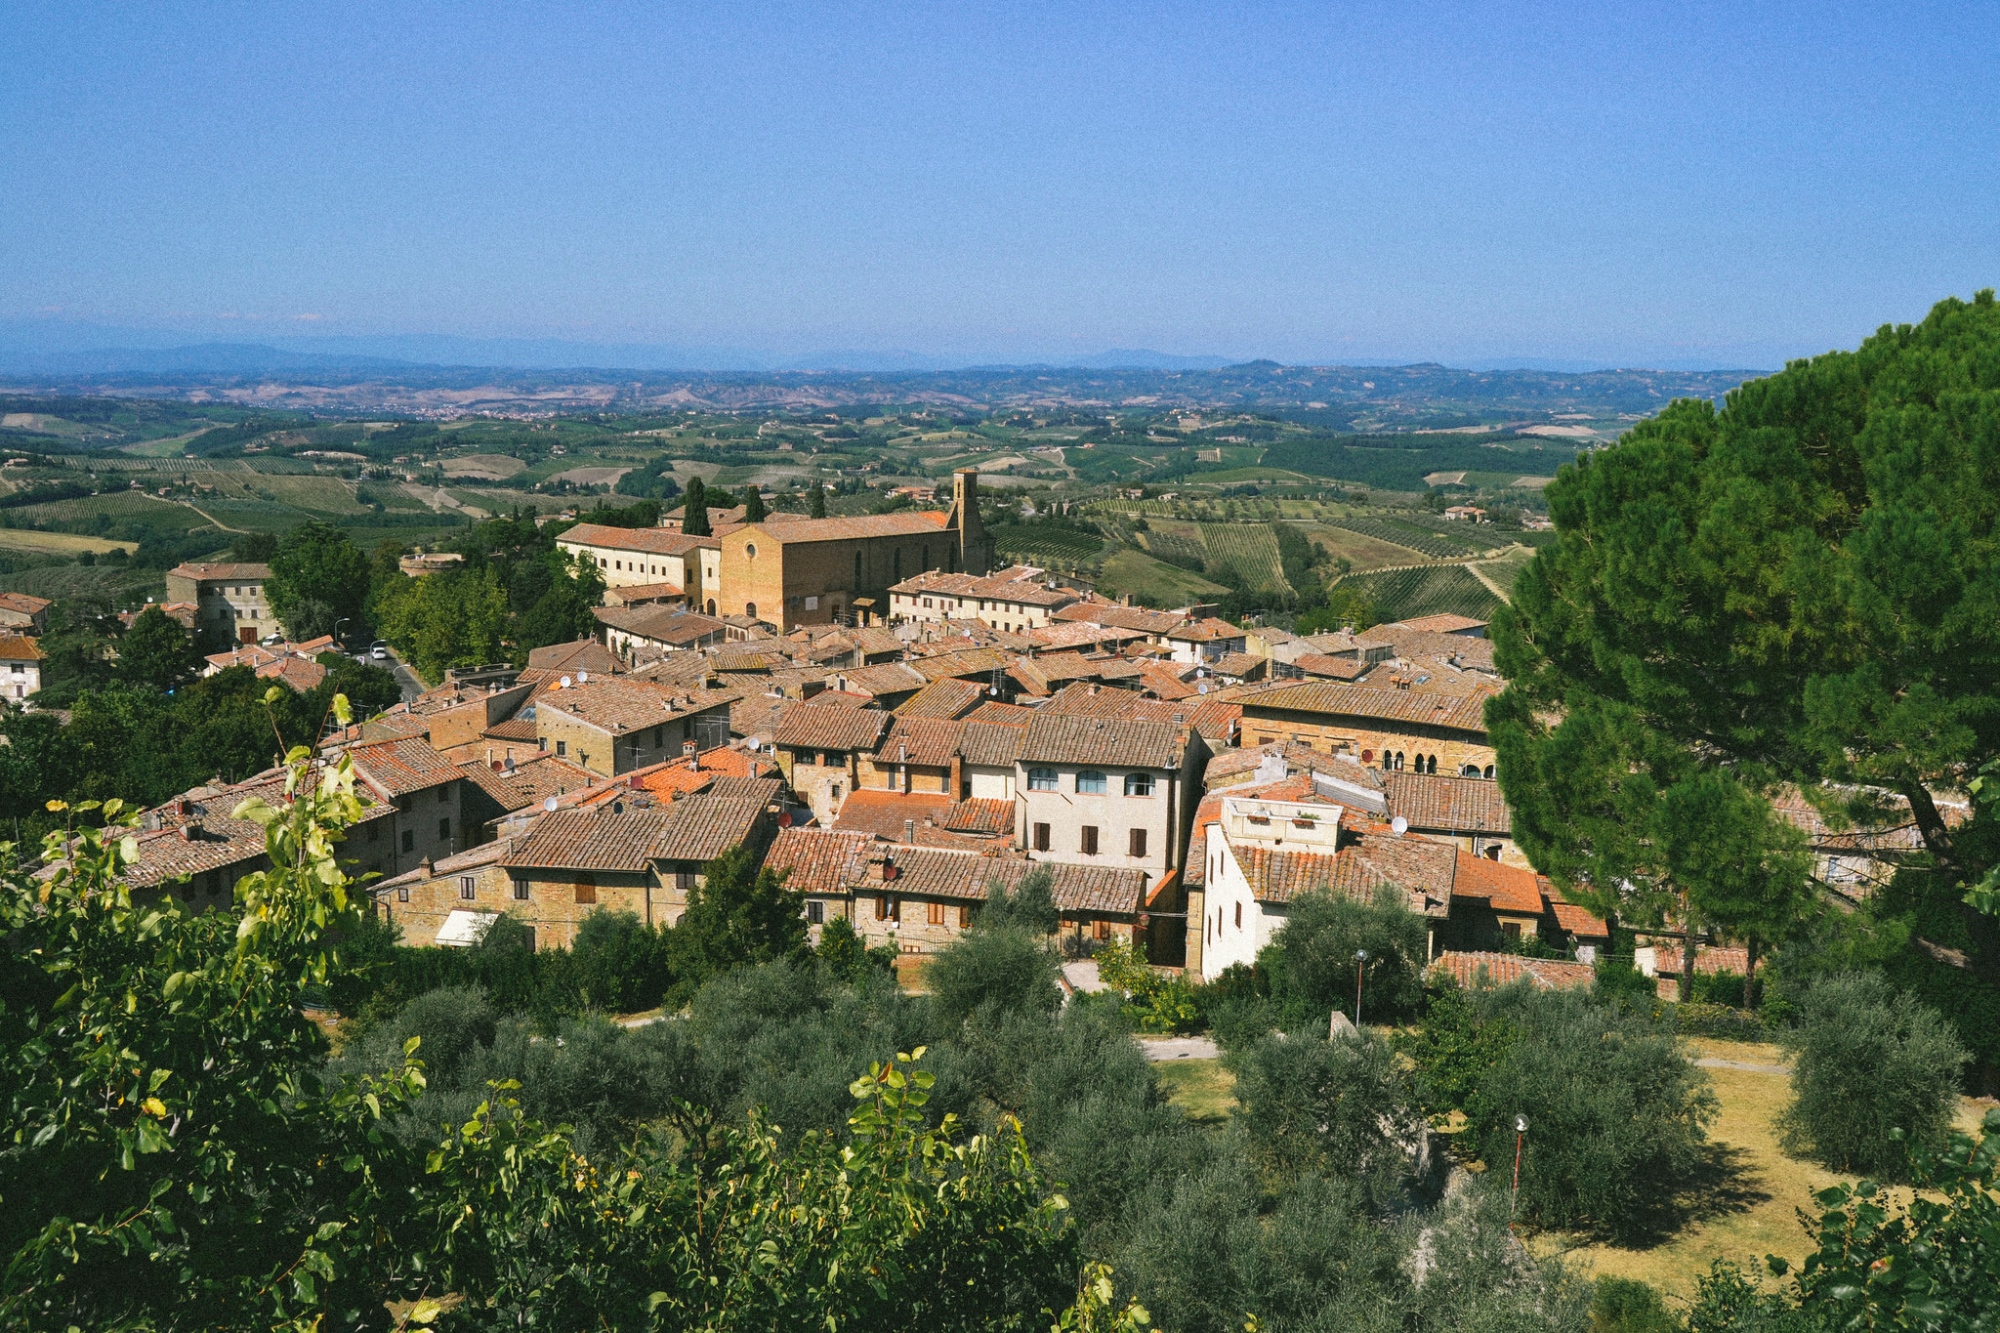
823,570
20,668
1397,730
229,601
1108,792
614,725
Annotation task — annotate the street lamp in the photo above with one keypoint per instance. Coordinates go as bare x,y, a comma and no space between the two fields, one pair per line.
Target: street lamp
338,645
1520,1137
1360,958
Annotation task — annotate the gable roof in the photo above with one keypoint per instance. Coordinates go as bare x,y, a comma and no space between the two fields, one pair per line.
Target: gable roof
1471,969
591,839
576,655
926,741
882,814
1407,707
1112,742
619,705
651,541
830,726
799,531
703,827
1456,805
820,860
945,698
247,572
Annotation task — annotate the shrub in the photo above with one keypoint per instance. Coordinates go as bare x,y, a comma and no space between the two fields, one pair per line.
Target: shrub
1311,963
1328,1108
848,956
995,967
1625,1305
1156,1001
1868,1060
620,963
1617,1115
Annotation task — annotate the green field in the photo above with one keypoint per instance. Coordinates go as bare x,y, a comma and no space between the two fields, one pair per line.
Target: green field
1250,549
1505,568
1435,542
1050,548
1400,594
1176,541
1153,582
120,586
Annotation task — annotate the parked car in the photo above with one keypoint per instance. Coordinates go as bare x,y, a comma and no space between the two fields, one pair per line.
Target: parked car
378,650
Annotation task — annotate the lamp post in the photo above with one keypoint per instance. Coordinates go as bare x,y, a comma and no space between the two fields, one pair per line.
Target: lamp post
338,645
1360,959
1520,1138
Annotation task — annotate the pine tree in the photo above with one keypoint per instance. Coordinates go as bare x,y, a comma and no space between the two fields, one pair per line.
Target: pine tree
694,521
816,502
753,504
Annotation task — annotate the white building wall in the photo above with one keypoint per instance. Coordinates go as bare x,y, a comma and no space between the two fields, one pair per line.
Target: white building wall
1230,902
1067,811
990,784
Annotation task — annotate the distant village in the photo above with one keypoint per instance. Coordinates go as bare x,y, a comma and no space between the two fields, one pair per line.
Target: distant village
902,728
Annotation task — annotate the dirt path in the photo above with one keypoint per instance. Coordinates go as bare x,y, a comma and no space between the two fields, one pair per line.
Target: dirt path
189,504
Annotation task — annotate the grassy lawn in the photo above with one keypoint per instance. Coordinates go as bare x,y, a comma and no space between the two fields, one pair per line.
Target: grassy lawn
1201,1088
1363,551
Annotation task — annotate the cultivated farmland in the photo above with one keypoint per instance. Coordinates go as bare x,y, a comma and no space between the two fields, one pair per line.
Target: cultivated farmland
1400,594
1250,549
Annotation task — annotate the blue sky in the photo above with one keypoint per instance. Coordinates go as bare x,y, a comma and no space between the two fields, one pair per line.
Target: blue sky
1720,185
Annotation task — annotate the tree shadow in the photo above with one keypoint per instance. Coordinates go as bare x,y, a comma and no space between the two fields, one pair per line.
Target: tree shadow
1725,1181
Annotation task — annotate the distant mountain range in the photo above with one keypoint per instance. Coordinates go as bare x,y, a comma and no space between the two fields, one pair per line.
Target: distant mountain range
33,348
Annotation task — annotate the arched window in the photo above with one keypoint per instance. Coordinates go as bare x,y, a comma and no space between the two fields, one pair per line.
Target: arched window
1041,779
1431,764
1090,782
750,609
1388,762
1469,771
711,606
1138,784
1399,761
750,549
1489,770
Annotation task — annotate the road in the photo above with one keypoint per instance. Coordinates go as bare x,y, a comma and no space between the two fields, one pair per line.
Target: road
405,678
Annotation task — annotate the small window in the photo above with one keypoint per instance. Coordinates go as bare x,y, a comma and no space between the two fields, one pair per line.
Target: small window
965,916
520,890
444,830
562,749
1239,916
468,887
1041,779
1041,837
833,791
1138,784
659,737
1100,930
402,893
1489,770
882,907
1090,782
750,550
1137,842
586,888
1469,771
816,913
934,914
1088,843
409,840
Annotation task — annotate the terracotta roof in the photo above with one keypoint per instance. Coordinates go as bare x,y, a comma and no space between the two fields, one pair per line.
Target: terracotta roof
515,728
830,726
1335,668
652,541
593,839
20,648
883,813
1503,969
248,573
947,698
1097,890
1708,958
1576,920
820,860
992,744
763,790
486,854
1206,630
1124,617
1114,742
1408,707
668,625
1240,664
213,839
1469,652
1421,869
875,640
503,793
888,678
636,594
1443,623
296,672
26,603
576,655
1457,805
850,529
926,741
1166,682
1019,584
619,706
401,766
994,711
1080,634
958,662
988,818
1507,888
701,828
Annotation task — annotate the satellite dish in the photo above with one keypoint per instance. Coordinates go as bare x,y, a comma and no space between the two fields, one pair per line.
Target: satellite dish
583,677
785,819
1399,825
564,683
549,804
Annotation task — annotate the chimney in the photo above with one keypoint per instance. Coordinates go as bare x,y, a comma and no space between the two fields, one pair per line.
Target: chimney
191,831
692,749
425,865
909,830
